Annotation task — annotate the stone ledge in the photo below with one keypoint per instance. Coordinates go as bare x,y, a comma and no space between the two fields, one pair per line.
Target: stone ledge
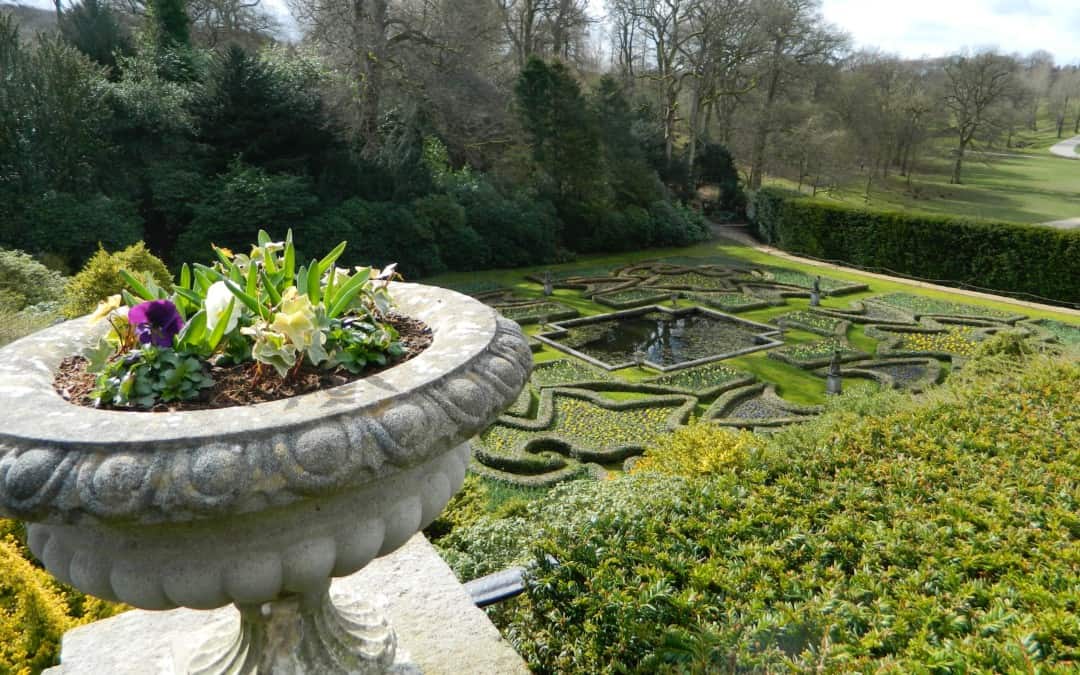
440,630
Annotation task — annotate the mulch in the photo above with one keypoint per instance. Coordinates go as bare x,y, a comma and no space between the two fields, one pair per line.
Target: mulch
247,383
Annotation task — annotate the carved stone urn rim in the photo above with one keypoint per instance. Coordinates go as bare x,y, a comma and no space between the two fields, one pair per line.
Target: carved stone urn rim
61,462
119,427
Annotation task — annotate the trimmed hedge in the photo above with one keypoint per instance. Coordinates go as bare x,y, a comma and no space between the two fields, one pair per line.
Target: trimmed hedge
1009,257
890,535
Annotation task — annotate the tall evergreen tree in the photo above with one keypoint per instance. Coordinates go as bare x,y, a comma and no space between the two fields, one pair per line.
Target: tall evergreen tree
561,130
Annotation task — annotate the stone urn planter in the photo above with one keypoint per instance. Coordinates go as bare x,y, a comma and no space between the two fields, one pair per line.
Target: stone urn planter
259,506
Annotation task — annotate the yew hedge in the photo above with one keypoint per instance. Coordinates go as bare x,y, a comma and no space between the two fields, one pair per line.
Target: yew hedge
1004,256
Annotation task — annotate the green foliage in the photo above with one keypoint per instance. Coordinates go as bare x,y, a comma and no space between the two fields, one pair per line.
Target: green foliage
460,247
389,232
171,23
35,609
634,182
515,230
266,112
907,535
562,134
92,27
1005,256
72,227
358,343
51,121
148,376
676,225
244,199
101,278
714,165
31,281
703,450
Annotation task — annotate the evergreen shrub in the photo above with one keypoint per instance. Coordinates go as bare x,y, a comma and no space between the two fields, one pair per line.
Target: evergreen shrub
25,278
73,226
100,278
890,534
1005,256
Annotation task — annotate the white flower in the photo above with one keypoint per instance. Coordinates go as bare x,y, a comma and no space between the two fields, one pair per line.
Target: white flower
218,297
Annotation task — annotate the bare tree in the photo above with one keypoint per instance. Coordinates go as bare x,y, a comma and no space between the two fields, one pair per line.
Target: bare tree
365,38
668,26
975,84
796,37
724,42
544,28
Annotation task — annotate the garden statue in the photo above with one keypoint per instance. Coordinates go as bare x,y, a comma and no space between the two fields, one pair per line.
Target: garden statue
674,299
834,382
548,284
815,294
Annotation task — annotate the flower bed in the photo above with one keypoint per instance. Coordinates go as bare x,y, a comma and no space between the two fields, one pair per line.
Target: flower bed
920,305
704,381
788,277
813,323
727,302
1066,333
537,311
632,297
574,426
563,372
959,341
816,354
691,280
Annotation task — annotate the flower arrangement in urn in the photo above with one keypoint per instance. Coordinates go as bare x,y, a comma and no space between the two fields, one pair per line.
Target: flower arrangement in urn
258,316
258,506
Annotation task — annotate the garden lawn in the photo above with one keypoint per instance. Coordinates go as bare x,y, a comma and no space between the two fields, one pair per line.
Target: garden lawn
1029,185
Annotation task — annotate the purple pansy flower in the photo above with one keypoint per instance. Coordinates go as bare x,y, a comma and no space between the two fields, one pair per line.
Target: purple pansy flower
156,322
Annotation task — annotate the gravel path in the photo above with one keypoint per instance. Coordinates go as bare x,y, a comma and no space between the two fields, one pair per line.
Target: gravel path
1067,148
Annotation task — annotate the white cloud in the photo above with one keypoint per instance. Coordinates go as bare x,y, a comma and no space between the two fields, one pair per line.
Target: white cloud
937,27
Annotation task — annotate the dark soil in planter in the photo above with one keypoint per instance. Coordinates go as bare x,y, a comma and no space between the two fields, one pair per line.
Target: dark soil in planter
247,383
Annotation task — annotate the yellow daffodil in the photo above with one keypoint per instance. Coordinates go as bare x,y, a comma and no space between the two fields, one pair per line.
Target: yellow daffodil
106,307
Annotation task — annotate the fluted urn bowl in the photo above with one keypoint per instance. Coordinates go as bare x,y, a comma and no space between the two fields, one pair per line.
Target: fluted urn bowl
255,504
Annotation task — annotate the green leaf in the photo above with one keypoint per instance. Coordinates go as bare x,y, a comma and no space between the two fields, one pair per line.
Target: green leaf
226,262
252,287
331,258
219,330
290,257
185,276
98,356
301,280
190,297
346,294
249,302
137,286
314,290
270,288
264,238
270,260
191,336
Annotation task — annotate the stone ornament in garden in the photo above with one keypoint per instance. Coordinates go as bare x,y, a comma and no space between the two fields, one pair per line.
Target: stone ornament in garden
258,505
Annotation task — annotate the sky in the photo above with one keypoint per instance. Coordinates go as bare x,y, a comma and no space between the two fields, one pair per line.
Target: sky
914,28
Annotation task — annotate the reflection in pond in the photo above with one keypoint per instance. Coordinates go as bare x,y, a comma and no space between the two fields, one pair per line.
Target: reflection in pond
665,339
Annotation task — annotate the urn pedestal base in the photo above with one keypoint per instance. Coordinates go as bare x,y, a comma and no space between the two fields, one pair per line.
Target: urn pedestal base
300,635
439,629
